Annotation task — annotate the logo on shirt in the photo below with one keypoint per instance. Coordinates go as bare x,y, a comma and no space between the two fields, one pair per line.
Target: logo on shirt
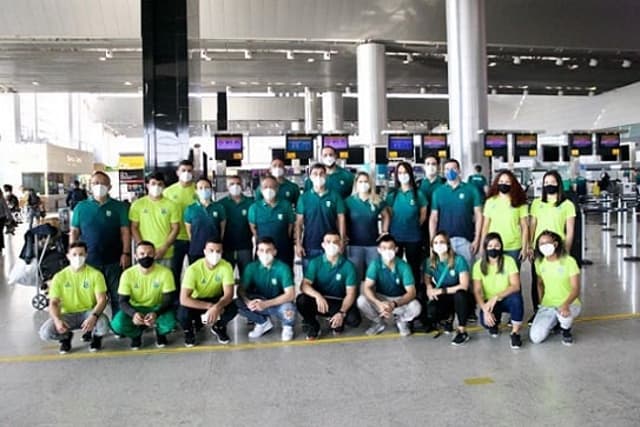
217,278
67,285
452,273
560,270
244,212
156,284
145,211
341,182
215,214
85,284
163,211
274,282
328,203
412,202
287,194
338,276
203,281
461,196
397,280
280,217
108,213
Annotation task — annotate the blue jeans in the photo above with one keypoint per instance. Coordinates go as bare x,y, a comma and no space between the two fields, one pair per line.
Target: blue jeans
48,329
180,250
361,257
462,247
285,312
310,254
512,304
111,273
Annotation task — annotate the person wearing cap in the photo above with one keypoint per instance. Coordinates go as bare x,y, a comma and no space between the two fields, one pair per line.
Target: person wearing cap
237,235
339,179
287,190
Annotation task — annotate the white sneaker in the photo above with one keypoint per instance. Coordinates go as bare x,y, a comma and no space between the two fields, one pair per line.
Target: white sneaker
260,329
287,333
403,328
375,328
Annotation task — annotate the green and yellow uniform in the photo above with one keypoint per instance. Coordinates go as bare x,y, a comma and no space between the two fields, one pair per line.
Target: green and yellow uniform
505,220
205,282
183,197
551,217
77,290
556,276
154,220
493,282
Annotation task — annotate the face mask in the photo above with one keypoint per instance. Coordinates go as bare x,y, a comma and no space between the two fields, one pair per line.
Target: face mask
146,262
77,262
318,181
494,253
269,194
99,191
277,172
451,175
404,178
440,248
213,258
504,188
551,189
431,170
235,189
329,160
155,190
331,250
204,195
185,176
363,187
387,255
547,249
265,258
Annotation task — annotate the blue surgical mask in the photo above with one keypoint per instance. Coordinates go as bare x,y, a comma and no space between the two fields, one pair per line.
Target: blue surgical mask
205,194
451,174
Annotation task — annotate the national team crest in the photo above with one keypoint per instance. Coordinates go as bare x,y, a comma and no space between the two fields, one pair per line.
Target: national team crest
108,213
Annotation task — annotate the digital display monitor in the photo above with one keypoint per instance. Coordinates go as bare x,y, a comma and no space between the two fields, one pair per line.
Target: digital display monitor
229,147
434,141
299,147
495,141
400,146
609,140
338,142
526,140
356,156
580,140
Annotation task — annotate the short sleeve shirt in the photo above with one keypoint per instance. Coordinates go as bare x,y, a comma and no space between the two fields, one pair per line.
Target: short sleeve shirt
362,220
427,188
206,224
493,282
443,276
155,219
455,208
331,279
320,213
551,217
237,234
556,277
205,282
267,282
146,290
340,181
182,197
392,283
505,220
405,214
273,221
287,190
77,290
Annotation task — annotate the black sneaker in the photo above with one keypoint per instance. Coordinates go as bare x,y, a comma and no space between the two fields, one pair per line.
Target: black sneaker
312,334
460,339
136,343
96,344
567,337
556,329
448,327
189,338
161,340
65,345
516,341
494,331
86,337
220,332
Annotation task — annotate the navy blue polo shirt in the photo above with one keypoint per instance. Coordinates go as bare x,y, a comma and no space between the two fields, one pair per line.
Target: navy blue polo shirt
320,213
205,224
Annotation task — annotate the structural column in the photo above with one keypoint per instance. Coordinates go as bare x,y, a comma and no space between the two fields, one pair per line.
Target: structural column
467,66
165,83
310,110
332,112
372,96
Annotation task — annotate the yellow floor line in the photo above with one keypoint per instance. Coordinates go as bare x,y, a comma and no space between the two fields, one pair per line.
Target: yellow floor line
82,353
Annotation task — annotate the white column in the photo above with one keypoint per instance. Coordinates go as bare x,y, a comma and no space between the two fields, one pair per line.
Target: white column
332,112
310,110
372,96
467,66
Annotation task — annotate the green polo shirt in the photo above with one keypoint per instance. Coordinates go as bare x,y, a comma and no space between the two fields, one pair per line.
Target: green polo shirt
183,197
556,277
505,220
362,220
479,181
493,282
428,187
405,214
340,181
455,209
146,290
237,234
331,279
274,222
267,282
206,282
443,276
206,224
287,190
551,217
154,220
392,283
320,214
77,290
99,227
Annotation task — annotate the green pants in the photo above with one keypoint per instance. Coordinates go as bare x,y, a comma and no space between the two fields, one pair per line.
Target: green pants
122,323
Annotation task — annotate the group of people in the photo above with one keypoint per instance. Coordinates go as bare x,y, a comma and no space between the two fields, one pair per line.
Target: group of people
407,259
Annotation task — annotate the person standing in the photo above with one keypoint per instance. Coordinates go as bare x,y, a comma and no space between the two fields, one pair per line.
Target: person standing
76,195
339,179
237,234
34,207
287,190
427,187
479,181
204,220
5,216
14,206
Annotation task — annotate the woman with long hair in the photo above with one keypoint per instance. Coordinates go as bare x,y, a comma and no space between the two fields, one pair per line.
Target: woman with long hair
496,285
505,213
558,286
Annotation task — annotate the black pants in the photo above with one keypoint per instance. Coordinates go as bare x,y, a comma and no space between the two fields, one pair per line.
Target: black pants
308,309
188,317
446,305
415,256
535,297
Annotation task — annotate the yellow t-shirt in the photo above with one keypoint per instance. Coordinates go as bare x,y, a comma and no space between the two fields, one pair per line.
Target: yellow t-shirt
556,277
146,290
183,197
77,290
552,217
493,282
207,283
154,220
505,220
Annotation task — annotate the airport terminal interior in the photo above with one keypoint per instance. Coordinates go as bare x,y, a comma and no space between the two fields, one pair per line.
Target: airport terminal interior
131,88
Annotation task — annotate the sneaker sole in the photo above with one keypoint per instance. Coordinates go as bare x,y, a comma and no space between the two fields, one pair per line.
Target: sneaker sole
568,344
516,347
93,350
220,340
262,334
458,344
160,345
189,345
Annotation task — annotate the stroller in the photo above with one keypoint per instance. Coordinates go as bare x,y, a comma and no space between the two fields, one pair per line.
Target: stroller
48,247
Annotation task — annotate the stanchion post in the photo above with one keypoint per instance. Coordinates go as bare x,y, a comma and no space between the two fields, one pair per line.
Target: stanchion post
624,243
634,235
583,223
619,210
608,217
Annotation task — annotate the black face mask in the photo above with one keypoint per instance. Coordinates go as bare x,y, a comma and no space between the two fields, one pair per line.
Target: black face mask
504,188
551,189
146,262
494,253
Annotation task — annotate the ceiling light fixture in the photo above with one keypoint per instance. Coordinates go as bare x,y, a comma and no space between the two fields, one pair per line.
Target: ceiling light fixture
492,64
494,91
423,90
289,55
516,60
102,58
311,60
326,56
248,54
574,66
408,59
35,83
560,92
591,93
559,62
626,63
108,54
204,56
593,62
127,83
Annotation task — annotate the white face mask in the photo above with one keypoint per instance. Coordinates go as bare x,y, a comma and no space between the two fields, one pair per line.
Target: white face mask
277,172
318,181
404,178
431,170
331,249
204,194
99,191
155,190
363,187
547,249
77,262
328,160
269,194
235,189
440,248
185,176
387,255
213,258
265,258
